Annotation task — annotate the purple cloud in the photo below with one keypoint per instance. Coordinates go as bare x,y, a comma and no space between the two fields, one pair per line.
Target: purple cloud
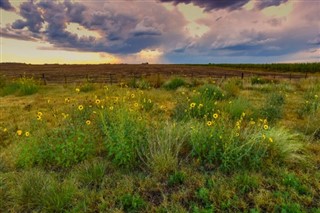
5,4
120,31
213,4
269,3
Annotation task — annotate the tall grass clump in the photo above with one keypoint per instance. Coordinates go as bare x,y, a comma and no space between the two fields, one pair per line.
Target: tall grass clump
273,107
87,87
125,133
139,84
174,84
38,191
90,174
259,80
21,87
233,87
165,147
236,107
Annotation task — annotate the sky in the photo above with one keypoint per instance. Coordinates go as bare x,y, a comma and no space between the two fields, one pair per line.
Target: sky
160,31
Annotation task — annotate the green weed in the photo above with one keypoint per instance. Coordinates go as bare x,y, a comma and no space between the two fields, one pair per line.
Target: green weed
174,84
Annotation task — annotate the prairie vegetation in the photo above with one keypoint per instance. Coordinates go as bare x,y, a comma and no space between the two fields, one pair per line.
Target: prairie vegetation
160,145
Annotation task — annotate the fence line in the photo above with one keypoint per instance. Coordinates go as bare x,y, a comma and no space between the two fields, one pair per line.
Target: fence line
113,78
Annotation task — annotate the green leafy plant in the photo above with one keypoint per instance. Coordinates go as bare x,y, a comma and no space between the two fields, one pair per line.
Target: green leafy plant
126,134
132,203
176,178
174,84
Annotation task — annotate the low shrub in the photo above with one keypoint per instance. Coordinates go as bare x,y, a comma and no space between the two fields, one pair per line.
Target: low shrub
21,87
273,107
132,203
175,84
125,134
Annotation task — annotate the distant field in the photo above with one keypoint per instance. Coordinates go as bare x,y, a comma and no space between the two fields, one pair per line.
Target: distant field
55,73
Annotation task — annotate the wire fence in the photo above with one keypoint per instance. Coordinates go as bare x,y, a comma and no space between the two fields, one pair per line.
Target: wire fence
112,74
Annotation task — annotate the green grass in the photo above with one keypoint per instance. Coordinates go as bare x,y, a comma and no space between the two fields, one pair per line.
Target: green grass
201,147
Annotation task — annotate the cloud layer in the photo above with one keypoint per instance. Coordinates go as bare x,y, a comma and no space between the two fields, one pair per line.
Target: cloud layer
269,29
5,4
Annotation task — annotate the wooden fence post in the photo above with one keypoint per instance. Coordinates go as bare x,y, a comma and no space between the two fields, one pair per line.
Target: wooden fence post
110,76
242,75
44,79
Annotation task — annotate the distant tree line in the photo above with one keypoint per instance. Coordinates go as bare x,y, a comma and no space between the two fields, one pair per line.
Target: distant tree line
281,67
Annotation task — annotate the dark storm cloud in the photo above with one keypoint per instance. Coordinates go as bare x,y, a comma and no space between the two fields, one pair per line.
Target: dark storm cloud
5,4
213,4
75,11
120,31
269,3
33,20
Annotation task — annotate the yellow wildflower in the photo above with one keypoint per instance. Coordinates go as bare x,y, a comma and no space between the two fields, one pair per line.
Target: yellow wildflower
80,107
27,134
192,105
264,136
209,123
98,101
265,126
88,122
39,117
77,90
215,115
19,132
136,104
111,108
271,140
67,100
132,95
252,122
39,114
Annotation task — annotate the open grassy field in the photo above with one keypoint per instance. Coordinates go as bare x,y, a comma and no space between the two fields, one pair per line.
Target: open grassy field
160,145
